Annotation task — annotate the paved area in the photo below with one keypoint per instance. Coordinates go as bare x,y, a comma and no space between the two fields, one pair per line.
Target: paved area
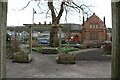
90,63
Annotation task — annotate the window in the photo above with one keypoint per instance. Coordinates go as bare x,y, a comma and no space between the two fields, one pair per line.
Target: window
94,36
91,36
90,26
97,26
97,35
94,26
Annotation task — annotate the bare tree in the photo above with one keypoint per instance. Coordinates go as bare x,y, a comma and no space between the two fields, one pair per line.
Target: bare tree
56,14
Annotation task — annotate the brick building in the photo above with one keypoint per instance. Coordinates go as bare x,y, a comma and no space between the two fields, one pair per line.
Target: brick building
92,30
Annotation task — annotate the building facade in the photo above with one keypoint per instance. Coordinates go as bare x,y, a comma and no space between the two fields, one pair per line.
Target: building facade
92,30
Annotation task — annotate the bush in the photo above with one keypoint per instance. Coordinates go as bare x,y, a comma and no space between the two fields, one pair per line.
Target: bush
12,47
90,46
107,48
83,47
97,46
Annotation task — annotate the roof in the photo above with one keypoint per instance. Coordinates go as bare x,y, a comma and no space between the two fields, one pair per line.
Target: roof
94,15
75,27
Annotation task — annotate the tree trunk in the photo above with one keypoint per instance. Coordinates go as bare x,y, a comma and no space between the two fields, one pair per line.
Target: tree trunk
115,68
54,40
3,21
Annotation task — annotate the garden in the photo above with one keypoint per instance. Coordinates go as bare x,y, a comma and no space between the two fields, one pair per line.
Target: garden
63,56
15,53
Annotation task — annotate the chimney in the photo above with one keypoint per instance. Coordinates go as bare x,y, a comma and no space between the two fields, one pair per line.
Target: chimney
83,20
87,18
104,21
39,22
93,13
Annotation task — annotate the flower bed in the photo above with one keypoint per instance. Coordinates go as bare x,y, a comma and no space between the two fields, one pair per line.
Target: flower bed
22,57
63,49
50,50
67,49
66,59
37,49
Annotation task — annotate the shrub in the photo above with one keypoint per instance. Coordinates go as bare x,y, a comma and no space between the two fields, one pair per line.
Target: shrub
12,47
35,43
107,48
90,45
97,46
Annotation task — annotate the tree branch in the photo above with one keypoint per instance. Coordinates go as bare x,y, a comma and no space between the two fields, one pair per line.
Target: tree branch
26,5
79,8
72,6
51,7
56,10
66,12
39,4
61,11
47,13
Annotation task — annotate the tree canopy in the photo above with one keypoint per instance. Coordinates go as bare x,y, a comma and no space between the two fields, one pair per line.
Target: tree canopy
55,9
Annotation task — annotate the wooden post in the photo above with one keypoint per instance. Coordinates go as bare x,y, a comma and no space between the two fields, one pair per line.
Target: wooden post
30,39
60,33
115,67
3,22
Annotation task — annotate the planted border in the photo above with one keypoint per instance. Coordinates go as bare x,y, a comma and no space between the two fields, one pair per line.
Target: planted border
22,57
63,49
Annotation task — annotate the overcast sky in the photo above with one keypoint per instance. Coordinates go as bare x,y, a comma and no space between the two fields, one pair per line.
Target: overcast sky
17,18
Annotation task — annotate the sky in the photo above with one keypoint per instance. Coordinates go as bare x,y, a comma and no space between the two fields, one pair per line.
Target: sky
17,18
